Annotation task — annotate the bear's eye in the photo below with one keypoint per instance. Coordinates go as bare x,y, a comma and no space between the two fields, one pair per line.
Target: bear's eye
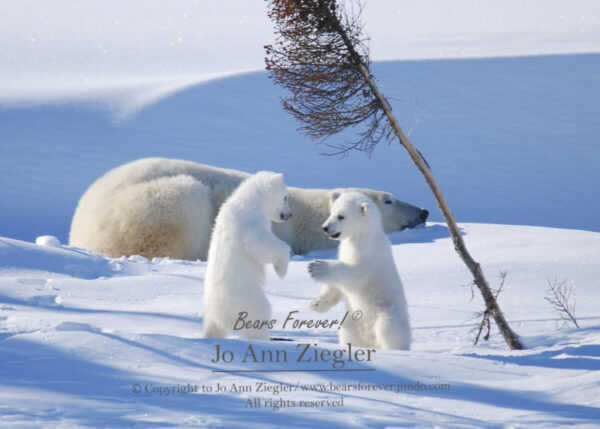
340,217
285,198
388,201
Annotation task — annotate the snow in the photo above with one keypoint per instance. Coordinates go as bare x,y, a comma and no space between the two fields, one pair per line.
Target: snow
500,135
502,100
80,331
125,56
47,240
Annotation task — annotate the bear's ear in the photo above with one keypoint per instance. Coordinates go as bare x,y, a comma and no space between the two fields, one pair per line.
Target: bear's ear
363,208
334,196
276,179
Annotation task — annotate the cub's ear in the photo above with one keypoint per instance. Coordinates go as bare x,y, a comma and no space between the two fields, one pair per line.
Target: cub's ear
276,179
334,196
363,208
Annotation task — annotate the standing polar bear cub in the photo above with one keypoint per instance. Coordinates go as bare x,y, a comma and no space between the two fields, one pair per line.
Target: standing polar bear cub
242,244
365,275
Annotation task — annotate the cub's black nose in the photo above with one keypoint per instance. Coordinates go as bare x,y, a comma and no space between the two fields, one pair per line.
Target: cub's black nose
424,215
326,228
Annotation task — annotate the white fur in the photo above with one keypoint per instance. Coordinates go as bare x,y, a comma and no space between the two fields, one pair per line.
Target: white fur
167,207
242,244
365,275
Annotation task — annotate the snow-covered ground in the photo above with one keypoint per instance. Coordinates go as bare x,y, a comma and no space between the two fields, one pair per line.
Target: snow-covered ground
81,332
501,97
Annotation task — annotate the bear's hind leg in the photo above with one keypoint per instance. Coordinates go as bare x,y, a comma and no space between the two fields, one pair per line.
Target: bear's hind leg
256,334
214,330
259,312
392,333
350,334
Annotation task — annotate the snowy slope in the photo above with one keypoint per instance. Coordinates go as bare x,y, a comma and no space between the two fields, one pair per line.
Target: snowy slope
90,341
127,55
80,332
511,140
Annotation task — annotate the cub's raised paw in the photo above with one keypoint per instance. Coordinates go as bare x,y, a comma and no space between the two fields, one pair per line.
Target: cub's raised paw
319,305
318,269
281,267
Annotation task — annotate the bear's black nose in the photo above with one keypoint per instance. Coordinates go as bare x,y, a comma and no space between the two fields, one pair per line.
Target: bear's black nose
326,228
424,215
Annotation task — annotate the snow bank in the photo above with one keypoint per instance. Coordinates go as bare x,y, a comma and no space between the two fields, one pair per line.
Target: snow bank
121,345
127,55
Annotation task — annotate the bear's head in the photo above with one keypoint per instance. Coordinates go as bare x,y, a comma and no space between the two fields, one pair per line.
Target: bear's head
352,214
396,215
275,195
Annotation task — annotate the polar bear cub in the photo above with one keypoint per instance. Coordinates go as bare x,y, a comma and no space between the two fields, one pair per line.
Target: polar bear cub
365,275
242,244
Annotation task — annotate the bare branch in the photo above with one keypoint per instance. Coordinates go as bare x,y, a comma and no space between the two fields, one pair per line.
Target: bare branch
312,61
562,299
485,321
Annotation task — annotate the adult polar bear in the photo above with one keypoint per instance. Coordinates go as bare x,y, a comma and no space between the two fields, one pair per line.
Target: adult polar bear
167,207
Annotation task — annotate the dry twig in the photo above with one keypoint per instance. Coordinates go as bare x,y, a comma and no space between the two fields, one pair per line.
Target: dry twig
485,321
562,299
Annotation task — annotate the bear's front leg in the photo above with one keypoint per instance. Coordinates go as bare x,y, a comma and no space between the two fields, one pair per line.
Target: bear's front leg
265,248
319,270
337,273
328,297
280,264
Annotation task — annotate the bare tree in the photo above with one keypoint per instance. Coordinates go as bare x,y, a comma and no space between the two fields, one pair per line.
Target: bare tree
562,299
321,57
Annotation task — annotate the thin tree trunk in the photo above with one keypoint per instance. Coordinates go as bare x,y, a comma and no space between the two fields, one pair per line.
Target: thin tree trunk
490,302
509,336
459,244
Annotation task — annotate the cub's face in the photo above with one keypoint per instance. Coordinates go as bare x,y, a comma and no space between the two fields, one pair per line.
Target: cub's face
279,207
395,214
351,213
